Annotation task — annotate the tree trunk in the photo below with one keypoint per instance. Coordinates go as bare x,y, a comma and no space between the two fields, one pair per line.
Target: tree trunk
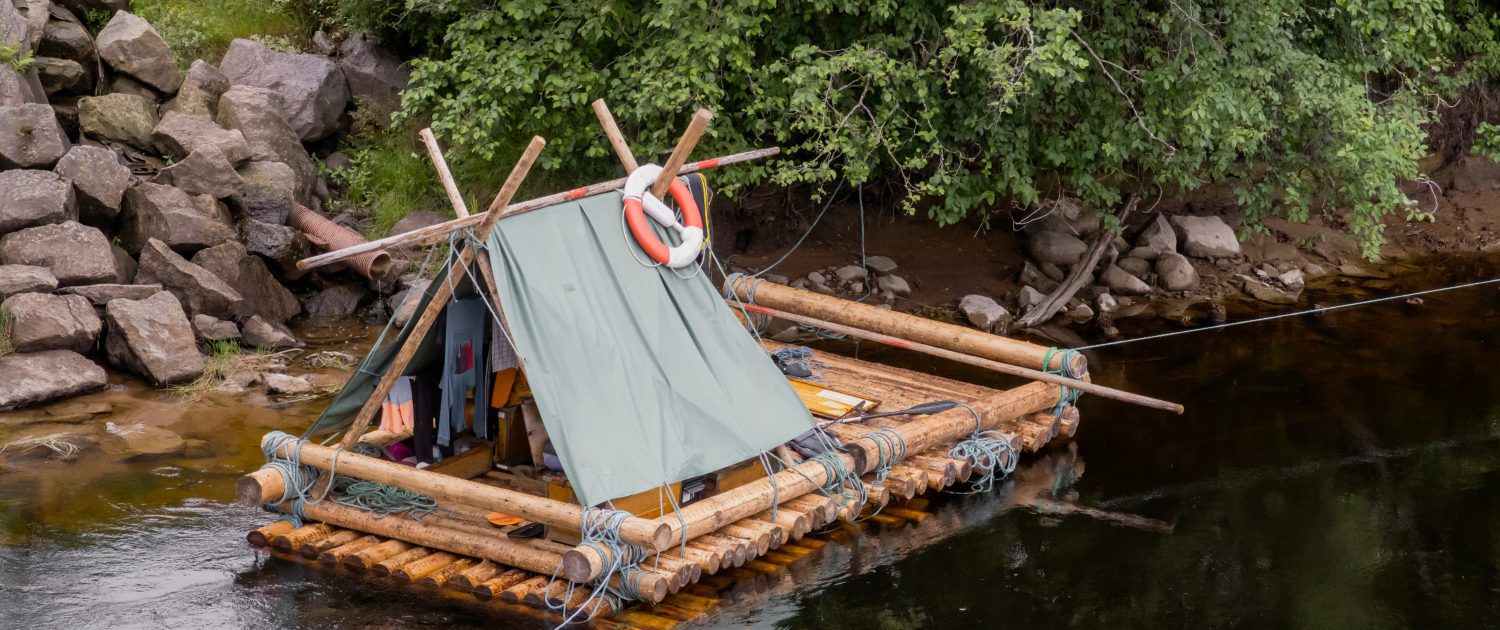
1081,274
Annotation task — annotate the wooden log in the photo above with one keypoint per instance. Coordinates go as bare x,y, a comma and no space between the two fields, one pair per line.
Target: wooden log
822,509
616,139
269,486
726,553
491,588
337,554
435,152
389,565
680,153
312,549
709,560
262,536
439,232
945,471
473,576
517,594
908,513
648,533
760,541
919,329
742,549
763,527
293,540
796,524
440,577
418,569
366,558
530,555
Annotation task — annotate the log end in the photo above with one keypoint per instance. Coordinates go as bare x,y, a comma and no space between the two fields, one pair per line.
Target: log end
582,564
251,489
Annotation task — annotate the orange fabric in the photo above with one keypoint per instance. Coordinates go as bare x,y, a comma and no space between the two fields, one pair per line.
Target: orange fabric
397,418
505,380
520,391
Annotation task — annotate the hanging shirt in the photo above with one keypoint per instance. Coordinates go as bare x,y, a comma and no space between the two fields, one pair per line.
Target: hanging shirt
396,412
463,368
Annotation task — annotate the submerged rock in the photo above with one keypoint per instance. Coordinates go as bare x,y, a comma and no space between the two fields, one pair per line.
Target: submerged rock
38,377
139,442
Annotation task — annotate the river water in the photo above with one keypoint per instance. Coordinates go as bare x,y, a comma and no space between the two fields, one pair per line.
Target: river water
1340,471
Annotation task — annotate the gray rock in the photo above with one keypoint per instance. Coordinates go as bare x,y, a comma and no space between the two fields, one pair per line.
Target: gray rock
339,301
325,44
850,273
1052,271
99,181
276,243
1292,279
817,277
178,135
1144,253
152,337
1032,276
140,442
66,40
1176,273
1474,173
41,321
1106,303
73,252
1265,292
249,277
20,88
205,171
38,377
210,328
880,265
337,161
124,118
267,192
199,290
258,114
1137,267
200,91
404,304
1121,282
25,279
286,384
1080,312
29,198
375,77
62,76
123,84
131,46
1065,215
416,221
1158,237
984,312
1028,298
312,86
1206,237
268,335
124,265
1056,248
30,137
894,285
101,294
182,221
65,109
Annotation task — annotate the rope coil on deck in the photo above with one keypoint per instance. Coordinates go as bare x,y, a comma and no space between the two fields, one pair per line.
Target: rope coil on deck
298,480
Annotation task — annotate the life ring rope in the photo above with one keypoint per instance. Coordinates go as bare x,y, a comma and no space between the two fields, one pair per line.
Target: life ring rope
640,203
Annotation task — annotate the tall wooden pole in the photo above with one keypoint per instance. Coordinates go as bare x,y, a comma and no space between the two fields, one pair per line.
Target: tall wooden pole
450,186
680,153
616,139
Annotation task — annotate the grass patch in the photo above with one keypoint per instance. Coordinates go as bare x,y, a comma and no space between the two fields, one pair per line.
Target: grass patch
6,345
196,29
56,442
389,178
225,361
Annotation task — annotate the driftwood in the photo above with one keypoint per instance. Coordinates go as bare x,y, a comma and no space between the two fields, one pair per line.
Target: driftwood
1081,275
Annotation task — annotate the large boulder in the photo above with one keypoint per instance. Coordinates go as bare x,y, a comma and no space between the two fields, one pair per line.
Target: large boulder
182,221
30,137
1156,239
82,7
38,377
62,77
200,91
277,243
984,312
198,289
153,338
102,294
210,328
1056,247
124,264
265,334
1207,237
376,77
25,279
1120,282
248,275
267,192
259,114
41,321
99,181
312,86
1175,273
124,118
30,198
67,40
338,301
73,252
205,171
131,46
123,84
178,135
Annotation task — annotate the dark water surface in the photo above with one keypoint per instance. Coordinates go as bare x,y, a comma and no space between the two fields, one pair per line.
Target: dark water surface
1341,471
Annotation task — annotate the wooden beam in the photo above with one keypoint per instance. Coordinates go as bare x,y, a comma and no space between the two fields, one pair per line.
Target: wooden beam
680,153
616,139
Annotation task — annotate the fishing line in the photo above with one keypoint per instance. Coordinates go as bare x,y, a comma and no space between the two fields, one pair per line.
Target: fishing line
1311,311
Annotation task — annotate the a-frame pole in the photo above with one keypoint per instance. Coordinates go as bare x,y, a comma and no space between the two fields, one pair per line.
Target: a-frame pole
441,296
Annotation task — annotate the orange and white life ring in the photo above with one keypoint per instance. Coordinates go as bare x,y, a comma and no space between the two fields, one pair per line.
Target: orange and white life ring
639,202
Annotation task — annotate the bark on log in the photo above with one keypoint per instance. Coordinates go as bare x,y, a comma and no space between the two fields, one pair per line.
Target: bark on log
1080,276
364,560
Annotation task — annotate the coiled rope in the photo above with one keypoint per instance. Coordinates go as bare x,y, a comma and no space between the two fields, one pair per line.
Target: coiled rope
600,528
298,482
1069,395
987,451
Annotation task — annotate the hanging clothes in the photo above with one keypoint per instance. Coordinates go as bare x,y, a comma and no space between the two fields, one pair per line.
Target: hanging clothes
464,369
396,413
426,399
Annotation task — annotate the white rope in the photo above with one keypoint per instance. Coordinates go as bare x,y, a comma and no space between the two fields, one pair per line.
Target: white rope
1320,309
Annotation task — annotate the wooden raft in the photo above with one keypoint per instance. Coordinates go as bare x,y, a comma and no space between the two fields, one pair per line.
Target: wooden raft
714,562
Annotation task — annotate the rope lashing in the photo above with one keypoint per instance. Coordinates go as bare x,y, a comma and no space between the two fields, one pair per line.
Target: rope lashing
733,284
298,480
1066,359
890,449
798,362
841,484
600,531
988,451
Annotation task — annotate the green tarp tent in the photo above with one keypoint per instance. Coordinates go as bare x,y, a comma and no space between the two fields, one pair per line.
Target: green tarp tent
643,377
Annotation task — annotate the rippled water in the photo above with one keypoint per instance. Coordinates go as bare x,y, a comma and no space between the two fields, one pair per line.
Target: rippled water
1336,471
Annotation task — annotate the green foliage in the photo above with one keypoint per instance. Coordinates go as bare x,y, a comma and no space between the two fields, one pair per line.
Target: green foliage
1487,141
973,107
389,178
220,351
13,56
203,30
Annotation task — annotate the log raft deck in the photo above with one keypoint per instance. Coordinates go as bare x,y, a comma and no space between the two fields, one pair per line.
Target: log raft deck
750,521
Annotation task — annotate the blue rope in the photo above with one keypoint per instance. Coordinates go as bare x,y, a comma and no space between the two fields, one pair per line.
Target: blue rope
988,451
600,531
1066,357
299,481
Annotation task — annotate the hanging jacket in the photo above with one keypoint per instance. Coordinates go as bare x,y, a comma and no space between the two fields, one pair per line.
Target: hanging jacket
464,370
